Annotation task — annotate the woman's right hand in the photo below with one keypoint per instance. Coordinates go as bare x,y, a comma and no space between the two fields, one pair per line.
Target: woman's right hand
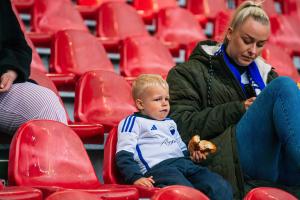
7,79
249,102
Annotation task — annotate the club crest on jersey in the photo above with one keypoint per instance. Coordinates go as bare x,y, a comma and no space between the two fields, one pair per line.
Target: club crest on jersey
172,130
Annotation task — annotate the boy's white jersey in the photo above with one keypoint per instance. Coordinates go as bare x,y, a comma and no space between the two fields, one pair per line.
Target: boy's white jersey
150,141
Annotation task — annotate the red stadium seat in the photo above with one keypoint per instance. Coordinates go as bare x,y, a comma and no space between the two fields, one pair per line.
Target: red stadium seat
49,155
75,51
73,195
268,6
220,25
268,193
89,8
176,27
286,32
281,61
177,192
125,20
111,174
50,16
23,5
20,193
149,8
102,97
144,54
88,132
207,10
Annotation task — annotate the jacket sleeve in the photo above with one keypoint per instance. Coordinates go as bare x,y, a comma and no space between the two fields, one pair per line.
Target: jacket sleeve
127,141
190,112
128,167
15,53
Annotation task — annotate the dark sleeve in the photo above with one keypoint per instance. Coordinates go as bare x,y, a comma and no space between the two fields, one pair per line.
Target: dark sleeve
191,114
128,167
186,153
15,53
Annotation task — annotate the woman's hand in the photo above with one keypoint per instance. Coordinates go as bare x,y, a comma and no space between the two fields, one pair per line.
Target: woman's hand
7,79
249,102
198,156
147,182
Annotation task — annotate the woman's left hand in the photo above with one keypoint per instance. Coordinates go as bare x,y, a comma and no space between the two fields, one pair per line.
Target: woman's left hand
198,156
7,79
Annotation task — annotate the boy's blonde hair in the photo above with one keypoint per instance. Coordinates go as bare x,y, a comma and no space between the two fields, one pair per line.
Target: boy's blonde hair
147,80
244,11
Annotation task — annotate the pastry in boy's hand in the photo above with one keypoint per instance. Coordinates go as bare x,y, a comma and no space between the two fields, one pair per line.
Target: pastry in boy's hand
195,144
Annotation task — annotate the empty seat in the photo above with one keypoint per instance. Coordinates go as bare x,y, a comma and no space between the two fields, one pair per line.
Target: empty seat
23,5
149,8
75,51
177,192
73,195
49,154
89,8
102,97
207,10
111,174
20,193
117,21
280,60
88,132
145,54
177,27
50,16
268,193
286,32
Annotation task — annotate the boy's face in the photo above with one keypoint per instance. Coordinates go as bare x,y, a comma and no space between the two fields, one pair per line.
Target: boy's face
154,102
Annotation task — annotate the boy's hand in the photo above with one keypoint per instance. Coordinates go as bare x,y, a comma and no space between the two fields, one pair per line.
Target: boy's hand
198,156
147,182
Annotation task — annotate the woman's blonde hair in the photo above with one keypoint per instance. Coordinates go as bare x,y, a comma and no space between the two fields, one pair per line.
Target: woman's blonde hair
244,11
147,80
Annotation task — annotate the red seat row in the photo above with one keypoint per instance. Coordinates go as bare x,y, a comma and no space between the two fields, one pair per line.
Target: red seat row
50,157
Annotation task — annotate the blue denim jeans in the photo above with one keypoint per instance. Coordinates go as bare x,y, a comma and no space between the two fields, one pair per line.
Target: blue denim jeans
268,135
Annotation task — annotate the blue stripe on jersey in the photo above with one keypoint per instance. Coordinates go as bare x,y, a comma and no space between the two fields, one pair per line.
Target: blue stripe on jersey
141,157
128,123
124,124
132,123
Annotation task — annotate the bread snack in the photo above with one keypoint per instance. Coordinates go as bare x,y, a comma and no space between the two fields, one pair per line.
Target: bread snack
195,144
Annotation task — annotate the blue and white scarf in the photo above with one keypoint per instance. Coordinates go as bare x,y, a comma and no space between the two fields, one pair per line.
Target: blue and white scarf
254,76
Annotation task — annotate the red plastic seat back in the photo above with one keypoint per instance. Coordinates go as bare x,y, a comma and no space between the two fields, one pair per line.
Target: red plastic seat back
145,54
75,51
280,60
49,153
268,193
73,195
286,31
20,193
103,97
207,8
95,2
178,26
50,16
111,175
177,192
149,8
124,18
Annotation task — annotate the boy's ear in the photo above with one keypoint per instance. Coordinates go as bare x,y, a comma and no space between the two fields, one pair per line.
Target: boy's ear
139,104
229,33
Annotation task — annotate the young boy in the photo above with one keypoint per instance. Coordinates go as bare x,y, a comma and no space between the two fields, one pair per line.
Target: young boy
150,151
